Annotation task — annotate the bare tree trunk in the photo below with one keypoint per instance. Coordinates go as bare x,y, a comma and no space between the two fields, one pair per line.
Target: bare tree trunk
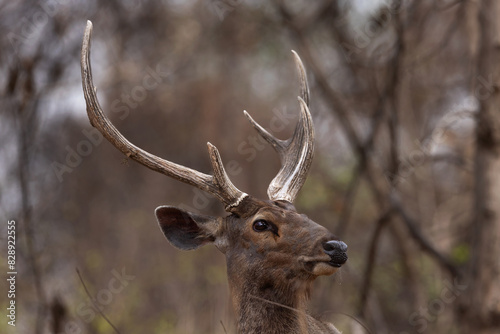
480,310
27,118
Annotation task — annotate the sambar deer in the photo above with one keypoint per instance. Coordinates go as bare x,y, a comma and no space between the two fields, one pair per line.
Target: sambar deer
273,253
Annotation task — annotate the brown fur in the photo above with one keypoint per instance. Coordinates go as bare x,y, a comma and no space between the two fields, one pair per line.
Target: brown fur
270,273
264,268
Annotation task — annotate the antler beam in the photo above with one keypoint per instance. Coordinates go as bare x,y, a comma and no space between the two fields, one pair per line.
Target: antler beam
296,153
218,185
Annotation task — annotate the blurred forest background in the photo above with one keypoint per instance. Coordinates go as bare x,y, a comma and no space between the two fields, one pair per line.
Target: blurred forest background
405,103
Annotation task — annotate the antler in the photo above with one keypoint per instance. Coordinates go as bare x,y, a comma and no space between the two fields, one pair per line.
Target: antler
218,185
296,153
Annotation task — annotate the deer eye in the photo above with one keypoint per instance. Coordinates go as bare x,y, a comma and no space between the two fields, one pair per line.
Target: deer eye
260,225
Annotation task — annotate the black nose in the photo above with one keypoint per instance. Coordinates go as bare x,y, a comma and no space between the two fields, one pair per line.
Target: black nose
337,251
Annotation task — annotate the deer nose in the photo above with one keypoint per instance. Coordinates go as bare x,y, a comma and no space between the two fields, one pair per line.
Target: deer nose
337,251
335,245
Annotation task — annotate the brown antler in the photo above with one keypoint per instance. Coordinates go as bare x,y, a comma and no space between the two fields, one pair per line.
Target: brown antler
218,185
296,153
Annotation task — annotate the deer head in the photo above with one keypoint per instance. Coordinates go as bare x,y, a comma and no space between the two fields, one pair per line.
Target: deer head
273,252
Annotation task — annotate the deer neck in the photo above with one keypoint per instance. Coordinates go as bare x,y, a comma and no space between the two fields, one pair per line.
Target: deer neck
270,306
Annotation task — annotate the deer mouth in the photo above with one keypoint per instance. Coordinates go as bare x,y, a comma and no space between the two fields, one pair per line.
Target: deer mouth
322,265
323,268
337,259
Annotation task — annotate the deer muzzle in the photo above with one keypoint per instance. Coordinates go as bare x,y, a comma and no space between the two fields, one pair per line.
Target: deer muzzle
337,250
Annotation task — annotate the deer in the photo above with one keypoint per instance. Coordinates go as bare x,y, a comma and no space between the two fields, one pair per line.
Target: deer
273,253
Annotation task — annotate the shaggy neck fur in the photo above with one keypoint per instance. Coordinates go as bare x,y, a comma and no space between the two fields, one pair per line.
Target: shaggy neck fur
270,307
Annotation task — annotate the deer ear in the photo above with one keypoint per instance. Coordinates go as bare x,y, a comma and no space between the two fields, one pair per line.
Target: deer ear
186,230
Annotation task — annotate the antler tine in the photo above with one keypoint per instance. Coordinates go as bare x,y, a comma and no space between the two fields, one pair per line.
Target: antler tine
296,153
296,160
279,145
218,185
304,85
223,182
